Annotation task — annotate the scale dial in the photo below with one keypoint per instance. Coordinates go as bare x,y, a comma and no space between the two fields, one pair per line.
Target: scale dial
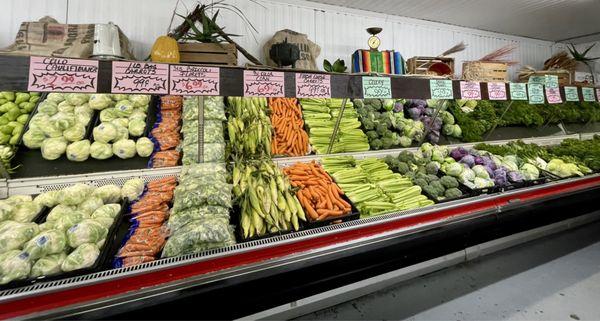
374,42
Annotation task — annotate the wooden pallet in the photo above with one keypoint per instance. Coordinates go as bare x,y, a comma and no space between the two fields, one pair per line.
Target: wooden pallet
222,54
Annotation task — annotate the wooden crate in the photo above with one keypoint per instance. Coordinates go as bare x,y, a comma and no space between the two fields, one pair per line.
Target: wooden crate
222,54
419,65
564,76
485,71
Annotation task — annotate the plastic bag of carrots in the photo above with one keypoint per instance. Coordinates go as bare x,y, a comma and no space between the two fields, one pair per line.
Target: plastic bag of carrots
290,138
318,194
165,133
147,235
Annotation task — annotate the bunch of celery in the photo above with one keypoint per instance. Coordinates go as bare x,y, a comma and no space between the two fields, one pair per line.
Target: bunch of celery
320,115
373,187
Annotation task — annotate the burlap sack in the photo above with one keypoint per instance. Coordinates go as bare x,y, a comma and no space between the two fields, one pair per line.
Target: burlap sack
47,37
309,51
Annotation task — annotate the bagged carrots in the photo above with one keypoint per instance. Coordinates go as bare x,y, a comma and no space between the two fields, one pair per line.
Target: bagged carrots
289,139
318,194
165,133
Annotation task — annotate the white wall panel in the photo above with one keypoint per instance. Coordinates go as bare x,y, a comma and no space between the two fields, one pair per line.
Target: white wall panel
17,11
339,31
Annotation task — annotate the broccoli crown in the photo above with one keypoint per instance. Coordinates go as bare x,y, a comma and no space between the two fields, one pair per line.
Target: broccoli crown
381,129
406,157
420,182
453,193
449,182
369,124
390,160
432,178
375,144
420,174
432,191
410,175
371,134
402,168
438,186
388,142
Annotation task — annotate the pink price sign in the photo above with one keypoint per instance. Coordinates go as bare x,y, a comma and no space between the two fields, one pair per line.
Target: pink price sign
497,91
470,90
62,75
598,94
553,95
194,80
134,77
313,86
264,83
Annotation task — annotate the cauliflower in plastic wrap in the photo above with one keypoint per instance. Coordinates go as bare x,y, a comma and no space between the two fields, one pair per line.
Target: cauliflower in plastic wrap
86,231
136,127
6,210
100,150
144,147
133,189
14,234
48,265
14,265
65,107
108,193
105,133
47,199
82,257
78,151
100,101
26,211
75,194
46,243
75,133
34,138
59,210
77,99
139,100
90,204
124,148
124,108
66,221
53,148
108,210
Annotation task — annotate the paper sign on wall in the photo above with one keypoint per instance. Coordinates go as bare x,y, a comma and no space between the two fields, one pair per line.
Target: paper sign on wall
264,83
62,75
441,89
313,85
129,77
588,94
377,87
497,90
518,91
553,95
551,81
194,80
571,94
536,94
470,90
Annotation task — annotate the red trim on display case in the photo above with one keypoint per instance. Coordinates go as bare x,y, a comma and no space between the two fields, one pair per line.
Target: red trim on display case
106,289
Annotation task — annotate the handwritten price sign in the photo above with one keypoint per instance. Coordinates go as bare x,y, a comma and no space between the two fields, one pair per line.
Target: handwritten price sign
377,87
588,94
497,91
553,95
441,89
194,80
571,94
470,90
264,83
62,75
139,78
536,94
518,91
313,86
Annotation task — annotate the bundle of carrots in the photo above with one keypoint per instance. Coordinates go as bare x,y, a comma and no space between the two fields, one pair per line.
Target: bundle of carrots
286,118
318,194
148,234
166,134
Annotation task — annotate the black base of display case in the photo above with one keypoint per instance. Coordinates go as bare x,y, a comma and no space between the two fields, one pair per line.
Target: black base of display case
246,294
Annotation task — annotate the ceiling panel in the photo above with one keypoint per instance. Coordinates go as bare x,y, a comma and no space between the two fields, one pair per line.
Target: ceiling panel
554,20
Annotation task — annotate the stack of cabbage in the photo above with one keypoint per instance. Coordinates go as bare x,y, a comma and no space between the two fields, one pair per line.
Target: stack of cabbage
14,112
74,231
60,124
122,117
214,141
200,216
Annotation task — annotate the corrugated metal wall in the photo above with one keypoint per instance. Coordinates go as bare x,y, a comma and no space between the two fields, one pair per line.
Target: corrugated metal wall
339,31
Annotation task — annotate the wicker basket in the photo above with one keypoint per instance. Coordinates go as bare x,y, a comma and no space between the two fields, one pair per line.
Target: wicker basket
222,54
564,76
485,71
420,65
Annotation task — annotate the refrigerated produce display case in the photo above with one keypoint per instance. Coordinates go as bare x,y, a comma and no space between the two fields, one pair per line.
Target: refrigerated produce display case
271,204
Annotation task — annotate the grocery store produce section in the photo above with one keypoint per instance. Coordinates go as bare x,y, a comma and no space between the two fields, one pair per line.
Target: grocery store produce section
121,197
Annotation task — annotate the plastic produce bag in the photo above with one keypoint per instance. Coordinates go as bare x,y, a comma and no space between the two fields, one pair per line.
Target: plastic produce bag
90,204
105,133
178,219
124,148
77,99
75,133
48,265
124,108
216,194
53,148
100,150
6,210
198,236
86,231
74,195
55,97
108,193
78,151
59,211
108,210
62,120
100,101
122,133
46,243
14,265
84,256
144,147
139,100
26,212
123,122
108,115
136,127
213,132
133,189
47,107
47,199
68,220
65,107
34,138
105,221
14,234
